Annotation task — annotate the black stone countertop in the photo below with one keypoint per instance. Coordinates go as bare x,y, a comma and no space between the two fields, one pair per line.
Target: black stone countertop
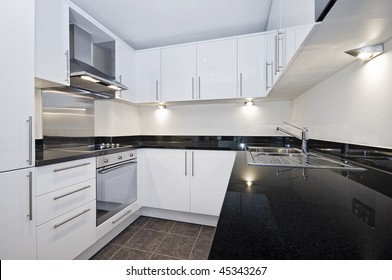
331,215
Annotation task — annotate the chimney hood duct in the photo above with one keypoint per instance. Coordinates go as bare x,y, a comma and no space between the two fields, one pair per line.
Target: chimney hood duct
82,72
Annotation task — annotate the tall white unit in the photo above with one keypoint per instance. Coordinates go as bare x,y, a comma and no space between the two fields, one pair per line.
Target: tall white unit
178,73
217,69
52,43
148,76
251,67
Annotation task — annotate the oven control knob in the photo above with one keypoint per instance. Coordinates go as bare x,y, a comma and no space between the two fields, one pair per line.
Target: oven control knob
130,155
119,157
105,160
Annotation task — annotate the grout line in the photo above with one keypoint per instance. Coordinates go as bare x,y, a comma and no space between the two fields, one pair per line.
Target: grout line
116,251
162,240
190,254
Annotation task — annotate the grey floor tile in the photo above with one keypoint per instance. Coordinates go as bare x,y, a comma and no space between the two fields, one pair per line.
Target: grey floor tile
146,240
207,232
177,246
106,252
124,236
159,224
186,229
141,221
161,257
201,249
131,254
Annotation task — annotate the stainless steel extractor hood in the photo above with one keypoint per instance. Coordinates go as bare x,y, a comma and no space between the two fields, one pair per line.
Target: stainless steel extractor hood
82,71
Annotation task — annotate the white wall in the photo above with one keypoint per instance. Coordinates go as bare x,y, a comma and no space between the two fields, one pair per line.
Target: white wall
225,119
353,106
115,118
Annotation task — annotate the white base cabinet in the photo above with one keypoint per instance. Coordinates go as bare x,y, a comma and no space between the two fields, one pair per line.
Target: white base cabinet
192,181
17,215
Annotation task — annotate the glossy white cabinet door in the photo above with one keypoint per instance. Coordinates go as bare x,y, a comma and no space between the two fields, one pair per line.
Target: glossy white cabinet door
210,176
251,66
169,180
178,73
301,33
148,74
17,85
125,65
217,69
270,55
52,42
17,216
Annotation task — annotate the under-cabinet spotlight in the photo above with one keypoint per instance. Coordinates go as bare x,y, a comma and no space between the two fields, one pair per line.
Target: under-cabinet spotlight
368,52
249,183
114,87
249,103
162,106
90,79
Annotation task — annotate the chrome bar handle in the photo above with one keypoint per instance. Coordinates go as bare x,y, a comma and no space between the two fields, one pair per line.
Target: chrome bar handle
30,121
199,88
70,219
193,163
156,90
186,164
280,38
267,87
122,216
67,194
240,84
67,65
193,88
71,167
30,215
276,54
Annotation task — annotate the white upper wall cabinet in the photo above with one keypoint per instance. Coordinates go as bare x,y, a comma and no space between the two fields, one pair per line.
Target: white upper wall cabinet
148,76
178,73
17,85
125,64
51,43
251,67
289,13
217,70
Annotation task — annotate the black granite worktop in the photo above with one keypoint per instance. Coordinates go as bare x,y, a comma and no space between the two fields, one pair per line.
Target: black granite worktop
330,215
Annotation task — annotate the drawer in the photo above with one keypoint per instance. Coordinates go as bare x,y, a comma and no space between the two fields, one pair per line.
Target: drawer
56,176
67,236
117,219
57,203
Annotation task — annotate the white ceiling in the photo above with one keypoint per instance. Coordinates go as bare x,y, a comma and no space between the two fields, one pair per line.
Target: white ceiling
153,23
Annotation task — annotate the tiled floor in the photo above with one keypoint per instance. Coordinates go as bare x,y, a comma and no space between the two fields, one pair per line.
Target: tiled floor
158,239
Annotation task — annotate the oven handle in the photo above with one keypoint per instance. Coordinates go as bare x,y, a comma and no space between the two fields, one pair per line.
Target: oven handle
109,169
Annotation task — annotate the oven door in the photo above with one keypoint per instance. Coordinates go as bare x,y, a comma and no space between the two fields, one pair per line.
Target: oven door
116,189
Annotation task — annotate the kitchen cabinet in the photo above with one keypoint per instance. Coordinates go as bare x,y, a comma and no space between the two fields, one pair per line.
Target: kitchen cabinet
52,53
288,13
178,73
217,69
66,208
148,76
192,181
251,66
125,63
17,215
17,87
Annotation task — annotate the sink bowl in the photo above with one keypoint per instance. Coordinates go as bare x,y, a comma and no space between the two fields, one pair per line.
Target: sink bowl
275,151
295,158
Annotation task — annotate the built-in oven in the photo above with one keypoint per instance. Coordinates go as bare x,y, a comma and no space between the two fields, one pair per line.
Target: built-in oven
116,183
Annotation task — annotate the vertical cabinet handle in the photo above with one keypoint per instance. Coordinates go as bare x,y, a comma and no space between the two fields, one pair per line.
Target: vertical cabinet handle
279,50
199,88
30,215
276,55
267,87
186,164
156,90
193,163
240,84
30,139
67,65
193,88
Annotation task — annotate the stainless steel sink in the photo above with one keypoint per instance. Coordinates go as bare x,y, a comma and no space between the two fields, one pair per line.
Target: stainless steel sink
295,158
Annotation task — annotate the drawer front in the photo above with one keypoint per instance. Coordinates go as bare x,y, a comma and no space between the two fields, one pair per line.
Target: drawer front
67,236
57,203
56,176
117,219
